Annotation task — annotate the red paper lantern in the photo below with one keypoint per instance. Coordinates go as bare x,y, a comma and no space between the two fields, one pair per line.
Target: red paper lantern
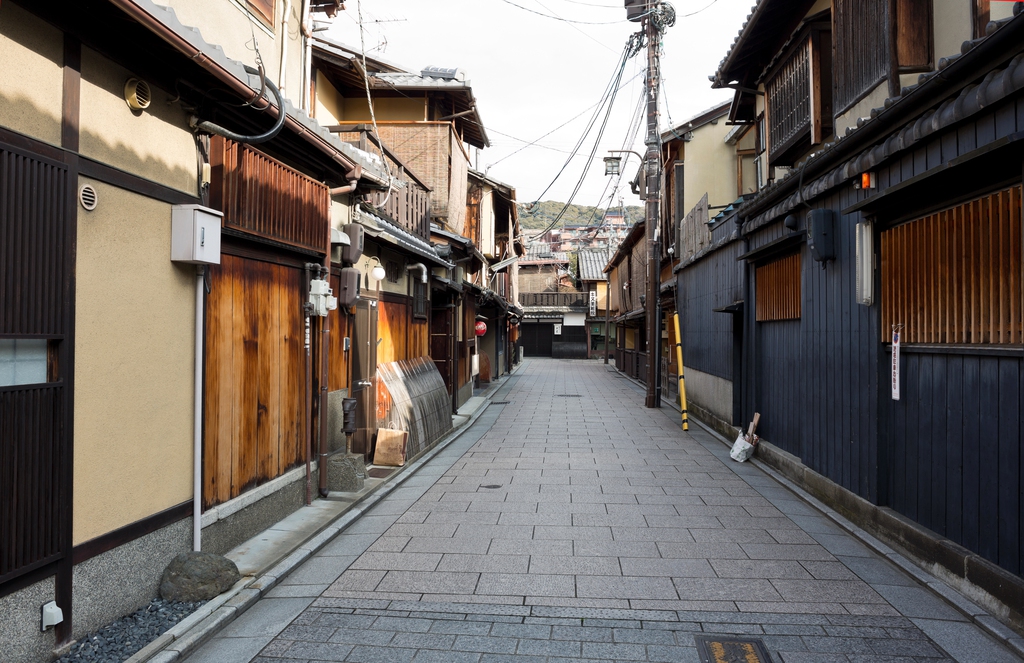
481,328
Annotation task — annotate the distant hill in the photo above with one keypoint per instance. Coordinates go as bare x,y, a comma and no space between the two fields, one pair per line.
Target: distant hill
544,213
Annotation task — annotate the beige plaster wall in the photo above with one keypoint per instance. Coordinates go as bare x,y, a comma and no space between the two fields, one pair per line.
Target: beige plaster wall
31,74
710,166
227,24
155,143
330,105
134,360
951,25
874,99
385,109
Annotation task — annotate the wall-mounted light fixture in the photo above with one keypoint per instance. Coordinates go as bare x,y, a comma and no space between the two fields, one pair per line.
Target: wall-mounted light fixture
377,273
865,181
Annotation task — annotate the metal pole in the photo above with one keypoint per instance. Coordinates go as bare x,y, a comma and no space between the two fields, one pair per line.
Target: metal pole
653,181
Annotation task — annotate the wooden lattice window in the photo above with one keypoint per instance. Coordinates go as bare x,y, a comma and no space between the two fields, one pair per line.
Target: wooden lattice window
955,276
778,289
798,95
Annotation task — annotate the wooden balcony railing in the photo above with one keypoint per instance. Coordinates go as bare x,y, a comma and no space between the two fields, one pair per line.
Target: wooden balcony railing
263,197
554,299
409,206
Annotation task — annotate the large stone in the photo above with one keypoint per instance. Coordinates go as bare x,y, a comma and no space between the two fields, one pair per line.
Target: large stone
197,576
346,472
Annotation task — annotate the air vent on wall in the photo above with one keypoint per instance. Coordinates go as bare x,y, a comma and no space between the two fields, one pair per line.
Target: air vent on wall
137,94
87,196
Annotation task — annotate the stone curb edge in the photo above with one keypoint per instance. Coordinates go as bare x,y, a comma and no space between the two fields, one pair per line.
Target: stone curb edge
188,635
969,609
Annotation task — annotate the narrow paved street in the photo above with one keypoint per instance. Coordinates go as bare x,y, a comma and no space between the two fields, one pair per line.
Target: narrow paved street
570,523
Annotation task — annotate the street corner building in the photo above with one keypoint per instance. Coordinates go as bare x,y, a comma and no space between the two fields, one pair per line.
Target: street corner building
189,285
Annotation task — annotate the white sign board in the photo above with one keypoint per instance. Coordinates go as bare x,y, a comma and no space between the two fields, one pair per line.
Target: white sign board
558,330
593,303
895,365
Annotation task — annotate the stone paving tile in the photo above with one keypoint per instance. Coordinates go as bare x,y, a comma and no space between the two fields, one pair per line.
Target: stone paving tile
584,565
612,536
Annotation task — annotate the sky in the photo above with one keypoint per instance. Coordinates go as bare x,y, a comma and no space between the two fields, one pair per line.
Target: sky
531,74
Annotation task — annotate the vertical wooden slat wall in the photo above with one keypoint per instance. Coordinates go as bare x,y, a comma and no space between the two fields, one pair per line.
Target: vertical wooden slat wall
778,289
254,412
955,277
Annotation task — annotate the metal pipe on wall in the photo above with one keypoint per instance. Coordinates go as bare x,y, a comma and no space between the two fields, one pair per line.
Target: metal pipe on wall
284,46
325,337
309,397
197,433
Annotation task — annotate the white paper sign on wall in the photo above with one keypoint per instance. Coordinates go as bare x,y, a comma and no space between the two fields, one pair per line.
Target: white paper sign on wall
558,330
895,363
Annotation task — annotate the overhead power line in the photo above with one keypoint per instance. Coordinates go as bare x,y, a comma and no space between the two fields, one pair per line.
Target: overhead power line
559,18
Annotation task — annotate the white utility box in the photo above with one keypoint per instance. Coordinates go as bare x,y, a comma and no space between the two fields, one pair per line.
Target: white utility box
195,234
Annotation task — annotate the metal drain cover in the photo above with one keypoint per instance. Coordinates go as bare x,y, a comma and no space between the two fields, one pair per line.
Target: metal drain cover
491,486
569,396
730,649
500,402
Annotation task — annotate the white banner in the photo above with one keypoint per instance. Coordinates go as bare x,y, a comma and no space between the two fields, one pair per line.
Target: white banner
895,364
593,303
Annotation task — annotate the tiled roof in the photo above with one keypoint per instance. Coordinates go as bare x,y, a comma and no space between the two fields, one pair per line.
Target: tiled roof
592,262
407,80
542,251
411,243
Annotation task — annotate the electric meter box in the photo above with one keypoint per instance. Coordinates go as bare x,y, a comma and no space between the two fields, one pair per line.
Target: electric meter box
348,288
350,254
195,234
821,235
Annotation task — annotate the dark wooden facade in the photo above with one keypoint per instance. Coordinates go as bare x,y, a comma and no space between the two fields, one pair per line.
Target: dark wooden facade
946,235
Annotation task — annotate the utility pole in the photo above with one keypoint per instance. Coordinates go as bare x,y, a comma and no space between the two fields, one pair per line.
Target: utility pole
652,211
658,17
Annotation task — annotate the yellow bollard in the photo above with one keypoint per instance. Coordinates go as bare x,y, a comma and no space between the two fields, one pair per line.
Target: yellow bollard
682,383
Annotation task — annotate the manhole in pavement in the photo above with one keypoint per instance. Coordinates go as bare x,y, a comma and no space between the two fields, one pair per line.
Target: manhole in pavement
569,396
491,485
379,472
729,649
500,402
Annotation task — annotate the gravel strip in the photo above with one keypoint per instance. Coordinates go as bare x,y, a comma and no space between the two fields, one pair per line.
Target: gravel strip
118,641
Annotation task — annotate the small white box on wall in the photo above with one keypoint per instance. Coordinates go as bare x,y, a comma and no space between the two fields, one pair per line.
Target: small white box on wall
195,234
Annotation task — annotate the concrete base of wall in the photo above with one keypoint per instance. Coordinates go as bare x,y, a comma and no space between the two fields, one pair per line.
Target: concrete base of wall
240,526
105,588
20,637
712,393
120,581
998,591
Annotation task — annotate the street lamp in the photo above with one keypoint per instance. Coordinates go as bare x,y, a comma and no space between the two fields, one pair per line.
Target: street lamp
612,164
